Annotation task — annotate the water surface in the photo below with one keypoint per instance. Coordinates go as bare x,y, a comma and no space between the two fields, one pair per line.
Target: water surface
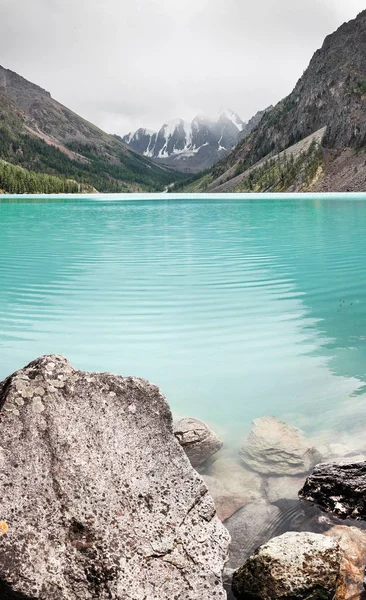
235,308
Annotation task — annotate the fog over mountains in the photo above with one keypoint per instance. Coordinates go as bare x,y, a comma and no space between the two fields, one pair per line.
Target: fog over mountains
192,146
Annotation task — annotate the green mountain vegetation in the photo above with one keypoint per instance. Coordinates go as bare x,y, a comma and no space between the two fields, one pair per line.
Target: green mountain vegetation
189,182
297,168
16,180
278,174
45,148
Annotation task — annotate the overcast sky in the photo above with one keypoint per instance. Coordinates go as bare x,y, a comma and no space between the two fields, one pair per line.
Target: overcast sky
123,64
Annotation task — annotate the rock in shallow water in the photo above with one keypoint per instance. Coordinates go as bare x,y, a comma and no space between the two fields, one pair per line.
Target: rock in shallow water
293,566
198,441
250,527
275,448
279,488
339,488
232,486
258,522
99,499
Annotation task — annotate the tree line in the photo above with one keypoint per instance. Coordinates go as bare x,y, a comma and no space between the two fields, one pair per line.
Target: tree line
16,180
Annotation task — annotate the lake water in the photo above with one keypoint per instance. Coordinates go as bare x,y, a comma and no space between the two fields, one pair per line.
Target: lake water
236,308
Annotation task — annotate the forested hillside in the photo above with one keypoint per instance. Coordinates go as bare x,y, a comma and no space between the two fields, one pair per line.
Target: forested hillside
16,180
45,138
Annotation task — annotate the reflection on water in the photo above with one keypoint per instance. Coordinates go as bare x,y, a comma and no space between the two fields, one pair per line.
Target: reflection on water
236,309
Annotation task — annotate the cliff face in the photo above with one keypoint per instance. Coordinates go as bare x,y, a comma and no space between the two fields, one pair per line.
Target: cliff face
331,93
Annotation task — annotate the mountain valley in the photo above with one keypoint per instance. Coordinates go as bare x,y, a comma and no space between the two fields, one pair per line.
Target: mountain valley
45,147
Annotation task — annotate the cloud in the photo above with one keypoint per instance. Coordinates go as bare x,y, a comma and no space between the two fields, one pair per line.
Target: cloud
124,64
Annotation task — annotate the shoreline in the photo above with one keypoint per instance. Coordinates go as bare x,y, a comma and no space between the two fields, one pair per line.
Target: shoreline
360,196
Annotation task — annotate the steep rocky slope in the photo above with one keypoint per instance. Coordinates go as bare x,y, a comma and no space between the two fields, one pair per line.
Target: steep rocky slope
193,146
331,94
40,135
295,169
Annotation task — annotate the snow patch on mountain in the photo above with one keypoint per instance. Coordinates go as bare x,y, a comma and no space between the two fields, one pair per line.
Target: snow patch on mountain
233,117
190,146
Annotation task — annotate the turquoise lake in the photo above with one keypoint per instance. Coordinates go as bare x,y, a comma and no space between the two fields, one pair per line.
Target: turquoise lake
236,308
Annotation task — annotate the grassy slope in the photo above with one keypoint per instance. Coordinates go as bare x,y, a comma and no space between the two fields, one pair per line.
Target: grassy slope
285,172
294,169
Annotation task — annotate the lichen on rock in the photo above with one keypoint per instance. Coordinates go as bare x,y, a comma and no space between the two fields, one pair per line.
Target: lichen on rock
99,497
293,566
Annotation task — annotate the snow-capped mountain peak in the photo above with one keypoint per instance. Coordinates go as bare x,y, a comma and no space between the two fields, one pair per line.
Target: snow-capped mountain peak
189,146
227,113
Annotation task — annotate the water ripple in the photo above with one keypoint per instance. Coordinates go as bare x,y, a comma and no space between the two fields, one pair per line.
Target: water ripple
235,308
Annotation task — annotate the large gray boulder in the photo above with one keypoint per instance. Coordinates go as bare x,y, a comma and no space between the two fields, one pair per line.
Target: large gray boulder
197,440
339,488
276,448
293,566
98,500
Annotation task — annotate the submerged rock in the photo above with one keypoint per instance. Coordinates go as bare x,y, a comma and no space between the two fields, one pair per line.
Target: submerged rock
98,499
258,522
280,488
232,486
339,488
300,516
295,566
345,443
198,441
275,448
250,527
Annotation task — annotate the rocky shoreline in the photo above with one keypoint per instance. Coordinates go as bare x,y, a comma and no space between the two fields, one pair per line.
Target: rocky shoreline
280,490
99,499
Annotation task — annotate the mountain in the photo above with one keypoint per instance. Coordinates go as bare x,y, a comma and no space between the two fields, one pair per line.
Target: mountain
45,147
195,146
328,102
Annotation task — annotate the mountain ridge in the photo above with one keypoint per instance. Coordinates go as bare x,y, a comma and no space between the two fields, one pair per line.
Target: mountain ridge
43,136
331,93
192,146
